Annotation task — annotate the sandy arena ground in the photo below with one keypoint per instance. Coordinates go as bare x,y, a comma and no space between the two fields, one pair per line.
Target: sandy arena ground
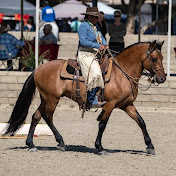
122,138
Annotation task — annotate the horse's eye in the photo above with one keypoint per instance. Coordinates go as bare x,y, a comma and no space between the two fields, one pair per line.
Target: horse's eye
154,59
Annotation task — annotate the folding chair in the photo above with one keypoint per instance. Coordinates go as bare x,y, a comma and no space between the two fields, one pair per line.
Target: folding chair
4,60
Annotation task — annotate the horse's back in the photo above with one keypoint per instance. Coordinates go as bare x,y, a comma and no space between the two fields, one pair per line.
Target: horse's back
47,77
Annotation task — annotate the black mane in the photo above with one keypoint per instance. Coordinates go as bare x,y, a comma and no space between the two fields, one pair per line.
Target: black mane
157,46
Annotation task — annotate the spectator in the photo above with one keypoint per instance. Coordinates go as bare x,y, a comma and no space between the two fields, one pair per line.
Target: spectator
48,14
65,26
75,25
18,26
48,37
69,21
11,43
102,24
117,31
30,25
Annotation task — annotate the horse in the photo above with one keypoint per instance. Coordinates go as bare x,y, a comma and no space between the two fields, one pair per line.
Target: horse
120,92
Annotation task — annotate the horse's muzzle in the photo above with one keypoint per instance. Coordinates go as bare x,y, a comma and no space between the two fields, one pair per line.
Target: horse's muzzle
159,79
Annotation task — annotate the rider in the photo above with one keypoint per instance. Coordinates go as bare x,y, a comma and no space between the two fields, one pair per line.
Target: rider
48,14
90,42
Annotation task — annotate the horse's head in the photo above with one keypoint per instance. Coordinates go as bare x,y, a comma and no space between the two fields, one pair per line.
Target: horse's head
152,62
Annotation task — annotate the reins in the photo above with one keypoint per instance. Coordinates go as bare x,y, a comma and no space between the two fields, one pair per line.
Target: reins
131,77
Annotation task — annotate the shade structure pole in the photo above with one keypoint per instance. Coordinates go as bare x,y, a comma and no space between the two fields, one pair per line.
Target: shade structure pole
139,25
22,23
94,3
37,33
169,37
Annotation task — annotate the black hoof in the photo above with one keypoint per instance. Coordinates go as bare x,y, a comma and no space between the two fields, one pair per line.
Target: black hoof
150,151
33,149
61,148
102,153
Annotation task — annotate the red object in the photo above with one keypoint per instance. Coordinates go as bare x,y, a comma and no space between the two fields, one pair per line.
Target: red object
18,17
25,18
1,17
53,48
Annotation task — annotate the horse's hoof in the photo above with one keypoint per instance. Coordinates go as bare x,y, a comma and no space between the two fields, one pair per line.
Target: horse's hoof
102,153
150,151
33,150
61,148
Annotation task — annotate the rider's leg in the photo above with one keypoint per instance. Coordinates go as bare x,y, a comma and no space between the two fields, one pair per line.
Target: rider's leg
91,95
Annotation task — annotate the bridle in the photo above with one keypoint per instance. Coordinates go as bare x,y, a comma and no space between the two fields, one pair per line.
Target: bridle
133,78
150,59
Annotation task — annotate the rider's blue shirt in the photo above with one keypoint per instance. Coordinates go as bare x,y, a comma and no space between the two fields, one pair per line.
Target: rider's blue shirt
87,37
48,14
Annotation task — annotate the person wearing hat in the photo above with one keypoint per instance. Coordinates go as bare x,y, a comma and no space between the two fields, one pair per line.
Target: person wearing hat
117,31
11,43
91,41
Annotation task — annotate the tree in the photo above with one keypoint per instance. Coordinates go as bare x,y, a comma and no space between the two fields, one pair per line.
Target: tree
133,8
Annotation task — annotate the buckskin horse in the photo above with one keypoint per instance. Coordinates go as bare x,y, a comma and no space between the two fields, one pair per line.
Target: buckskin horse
120,92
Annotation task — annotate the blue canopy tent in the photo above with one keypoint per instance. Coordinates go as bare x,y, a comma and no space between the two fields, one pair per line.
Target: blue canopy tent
11,7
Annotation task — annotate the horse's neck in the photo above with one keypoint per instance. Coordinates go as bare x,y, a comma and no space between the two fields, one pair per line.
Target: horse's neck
130,60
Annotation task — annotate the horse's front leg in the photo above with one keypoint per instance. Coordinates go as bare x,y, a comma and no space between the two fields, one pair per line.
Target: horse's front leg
103,117
132,112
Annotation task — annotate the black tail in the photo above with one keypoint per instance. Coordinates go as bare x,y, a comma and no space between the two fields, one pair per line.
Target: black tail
20,110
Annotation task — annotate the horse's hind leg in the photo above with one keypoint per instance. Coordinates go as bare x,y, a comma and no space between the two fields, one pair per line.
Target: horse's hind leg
132,112
35,120
48,117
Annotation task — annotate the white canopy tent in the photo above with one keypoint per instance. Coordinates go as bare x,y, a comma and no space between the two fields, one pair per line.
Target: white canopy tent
70,8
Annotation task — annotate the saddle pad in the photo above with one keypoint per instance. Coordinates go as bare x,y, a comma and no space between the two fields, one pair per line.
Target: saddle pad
68,71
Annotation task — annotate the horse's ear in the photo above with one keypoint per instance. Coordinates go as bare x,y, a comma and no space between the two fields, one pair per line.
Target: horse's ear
152,45
161,43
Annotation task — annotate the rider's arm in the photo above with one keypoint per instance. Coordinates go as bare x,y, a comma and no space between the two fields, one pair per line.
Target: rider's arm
103,39
87,37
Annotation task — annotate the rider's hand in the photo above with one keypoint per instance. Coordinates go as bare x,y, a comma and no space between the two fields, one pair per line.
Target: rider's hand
106,47
102,47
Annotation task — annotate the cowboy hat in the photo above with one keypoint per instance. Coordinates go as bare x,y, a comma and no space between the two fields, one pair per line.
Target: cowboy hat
92,11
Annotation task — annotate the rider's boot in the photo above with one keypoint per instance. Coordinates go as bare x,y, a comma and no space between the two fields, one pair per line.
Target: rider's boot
93,100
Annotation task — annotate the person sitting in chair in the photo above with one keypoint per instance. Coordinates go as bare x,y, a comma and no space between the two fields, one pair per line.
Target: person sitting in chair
48,37
11,43
91,41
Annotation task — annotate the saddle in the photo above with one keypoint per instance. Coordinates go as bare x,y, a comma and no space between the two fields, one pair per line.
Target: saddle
70,68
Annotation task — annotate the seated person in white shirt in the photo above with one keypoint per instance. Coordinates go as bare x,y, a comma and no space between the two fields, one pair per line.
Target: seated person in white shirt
48,37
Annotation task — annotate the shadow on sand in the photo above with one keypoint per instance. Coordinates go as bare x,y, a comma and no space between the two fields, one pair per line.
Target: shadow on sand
83,149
